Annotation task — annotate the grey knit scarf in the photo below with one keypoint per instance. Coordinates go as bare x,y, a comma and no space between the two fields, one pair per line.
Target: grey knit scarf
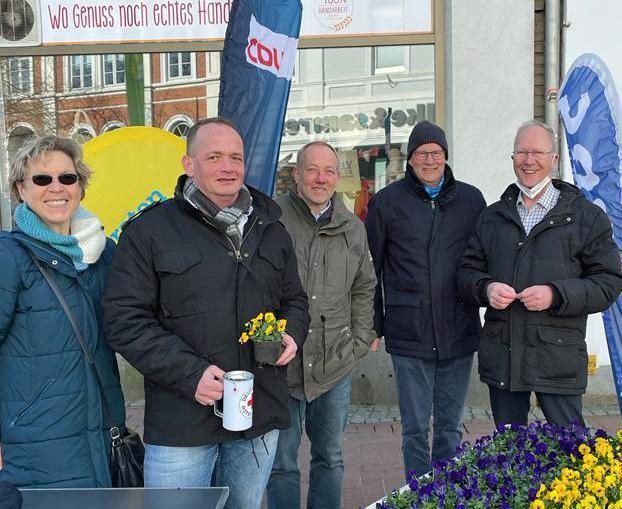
225,219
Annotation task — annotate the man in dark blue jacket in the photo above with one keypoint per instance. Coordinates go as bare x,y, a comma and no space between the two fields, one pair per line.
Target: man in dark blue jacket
418,228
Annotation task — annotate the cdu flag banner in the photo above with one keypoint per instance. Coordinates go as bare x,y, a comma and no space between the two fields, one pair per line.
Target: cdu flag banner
590,110
256,71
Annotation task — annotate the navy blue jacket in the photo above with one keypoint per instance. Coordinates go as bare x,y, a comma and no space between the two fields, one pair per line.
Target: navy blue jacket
416,244
51,424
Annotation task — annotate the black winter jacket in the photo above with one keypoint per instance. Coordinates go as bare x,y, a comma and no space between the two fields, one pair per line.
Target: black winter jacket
176,299
571,249
416,244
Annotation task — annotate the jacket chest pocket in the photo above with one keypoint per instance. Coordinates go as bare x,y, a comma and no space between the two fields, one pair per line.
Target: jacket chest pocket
270,269
182,291
336,275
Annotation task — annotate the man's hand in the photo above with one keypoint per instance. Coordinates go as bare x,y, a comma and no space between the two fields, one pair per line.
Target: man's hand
375,344
537,298
289,352
210,386
500,295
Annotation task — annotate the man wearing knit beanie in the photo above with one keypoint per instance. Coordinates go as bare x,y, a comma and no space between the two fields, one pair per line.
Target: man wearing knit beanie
427,132
418,228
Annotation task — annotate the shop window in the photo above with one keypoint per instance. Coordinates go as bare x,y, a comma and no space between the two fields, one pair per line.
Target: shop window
81,71
180,128
392,59
111,126
180,65
345,63
82,134
345,103
20,75
17,137
114,69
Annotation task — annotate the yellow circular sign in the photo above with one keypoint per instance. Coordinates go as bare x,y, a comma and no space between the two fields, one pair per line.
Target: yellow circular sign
132,168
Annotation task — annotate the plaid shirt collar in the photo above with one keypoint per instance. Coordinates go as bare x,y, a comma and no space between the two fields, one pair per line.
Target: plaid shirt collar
531,217
547,200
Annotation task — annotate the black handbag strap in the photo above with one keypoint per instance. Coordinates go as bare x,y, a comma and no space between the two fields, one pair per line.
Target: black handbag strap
87,354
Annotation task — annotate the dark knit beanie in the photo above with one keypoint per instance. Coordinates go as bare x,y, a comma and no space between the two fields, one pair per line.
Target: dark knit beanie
10,497
427,132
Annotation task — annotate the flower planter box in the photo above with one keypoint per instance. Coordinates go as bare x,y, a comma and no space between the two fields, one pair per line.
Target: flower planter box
539,466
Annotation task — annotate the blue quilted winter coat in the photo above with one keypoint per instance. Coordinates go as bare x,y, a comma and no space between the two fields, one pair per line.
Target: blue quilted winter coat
51,423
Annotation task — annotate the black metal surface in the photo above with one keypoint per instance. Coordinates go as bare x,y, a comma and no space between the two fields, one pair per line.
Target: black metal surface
125,498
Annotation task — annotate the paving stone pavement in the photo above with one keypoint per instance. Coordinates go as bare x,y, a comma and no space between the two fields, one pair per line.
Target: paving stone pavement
372,453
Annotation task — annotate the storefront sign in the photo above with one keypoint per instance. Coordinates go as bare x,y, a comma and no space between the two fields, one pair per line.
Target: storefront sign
323,123
114,21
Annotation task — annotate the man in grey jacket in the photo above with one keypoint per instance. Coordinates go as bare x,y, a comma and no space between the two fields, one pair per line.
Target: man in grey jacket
337,272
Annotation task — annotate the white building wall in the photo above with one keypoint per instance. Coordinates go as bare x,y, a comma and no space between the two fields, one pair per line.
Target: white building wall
489,80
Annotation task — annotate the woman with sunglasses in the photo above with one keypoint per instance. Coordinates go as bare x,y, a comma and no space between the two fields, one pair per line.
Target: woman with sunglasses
52,429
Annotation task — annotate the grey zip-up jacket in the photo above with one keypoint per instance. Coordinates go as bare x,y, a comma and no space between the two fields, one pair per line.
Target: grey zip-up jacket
336,271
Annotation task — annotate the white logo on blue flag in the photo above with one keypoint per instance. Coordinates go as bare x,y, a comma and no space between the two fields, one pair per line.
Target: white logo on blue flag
590,110
271,51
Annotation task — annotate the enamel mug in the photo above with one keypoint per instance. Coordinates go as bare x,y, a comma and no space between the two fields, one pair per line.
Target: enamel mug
237,406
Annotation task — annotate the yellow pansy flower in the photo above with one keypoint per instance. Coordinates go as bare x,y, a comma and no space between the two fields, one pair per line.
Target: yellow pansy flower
584,449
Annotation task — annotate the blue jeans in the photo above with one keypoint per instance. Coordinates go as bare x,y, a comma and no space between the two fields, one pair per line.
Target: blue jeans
430,387
325,419
233,464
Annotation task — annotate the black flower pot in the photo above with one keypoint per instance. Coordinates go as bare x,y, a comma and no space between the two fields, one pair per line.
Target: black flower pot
267,352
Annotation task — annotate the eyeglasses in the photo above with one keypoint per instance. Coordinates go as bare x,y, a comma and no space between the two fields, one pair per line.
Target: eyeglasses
437,155
523,154
67,179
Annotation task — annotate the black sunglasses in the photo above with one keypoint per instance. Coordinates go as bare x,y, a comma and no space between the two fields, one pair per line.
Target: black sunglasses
67,179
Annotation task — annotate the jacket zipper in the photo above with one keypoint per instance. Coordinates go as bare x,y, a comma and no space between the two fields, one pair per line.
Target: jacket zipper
323,318
32,401
238,259
433,205
520,250
235,249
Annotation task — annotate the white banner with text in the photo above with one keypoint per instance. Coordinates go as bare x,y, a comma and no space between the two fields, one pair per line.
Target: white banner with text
118,21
